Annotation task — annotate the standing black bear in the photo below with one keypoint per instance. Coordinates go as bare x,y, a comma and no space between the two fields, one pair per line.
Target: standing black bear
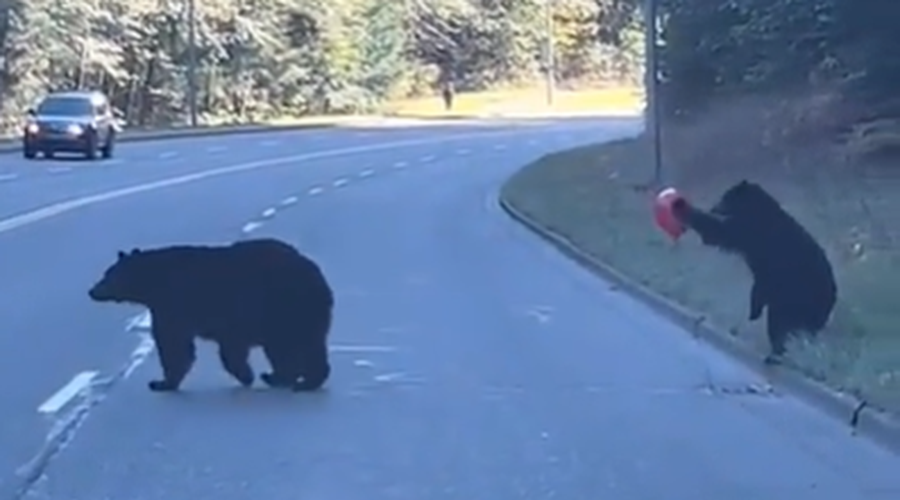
792,276
251,293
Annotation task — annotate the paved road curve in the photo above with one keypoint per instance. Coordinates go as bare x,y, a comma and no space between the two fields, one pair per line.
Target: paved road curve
471,361
52,332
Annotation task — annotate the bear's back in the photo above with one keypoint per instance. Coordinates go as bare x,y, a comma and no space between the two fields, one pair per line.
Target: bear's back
782,248
284,269
244,278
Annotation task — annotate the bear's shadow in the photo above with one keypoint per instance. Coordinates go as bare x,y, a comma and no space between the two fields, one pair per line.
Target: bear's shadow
257,398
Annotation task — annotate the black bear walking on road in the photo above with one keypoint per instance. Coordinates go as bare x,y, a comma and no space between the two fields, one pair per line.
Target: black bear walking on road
251,293
792,276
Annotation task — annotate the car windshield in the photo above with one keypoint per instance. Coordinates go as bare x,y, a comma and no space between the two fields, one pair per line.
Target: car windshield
65,106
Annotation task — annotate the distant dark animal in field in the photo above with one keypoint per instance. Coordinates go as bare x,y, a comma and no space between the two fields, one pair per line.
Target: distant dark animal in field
792,277
251,293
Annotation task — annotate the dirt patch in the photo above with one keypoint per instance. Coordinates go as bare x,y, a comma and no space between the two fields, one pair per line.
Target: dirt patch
598,197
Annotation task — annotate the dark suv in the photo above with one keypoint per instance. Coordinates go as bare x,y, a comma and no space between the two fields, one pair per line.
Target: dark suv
72,122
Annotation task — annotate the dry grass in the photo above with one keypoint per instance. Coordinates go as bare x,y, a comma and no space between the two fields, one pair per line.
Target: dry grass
524,100
593,196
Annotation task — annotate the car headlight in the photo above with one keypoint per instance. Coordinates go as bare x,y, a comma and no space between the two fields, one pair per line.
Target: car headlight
32,128
75,129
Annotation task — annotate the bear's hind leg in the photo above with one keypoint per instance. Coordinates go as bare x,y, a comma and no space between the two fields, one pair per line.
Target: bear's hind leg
285,368
234,357
315,368
778,329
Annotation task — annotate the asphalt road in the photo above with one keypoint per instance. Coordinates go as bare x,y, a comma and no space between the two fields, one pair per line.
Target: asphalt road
471,361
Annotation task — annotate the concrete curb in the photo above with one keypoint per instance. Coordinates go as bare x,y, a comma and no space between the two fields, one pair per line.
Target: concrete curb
13,145
860,416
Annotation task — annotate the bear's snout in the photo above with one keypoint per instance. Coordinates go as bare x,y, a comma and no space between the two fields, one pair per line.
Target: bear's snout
96,293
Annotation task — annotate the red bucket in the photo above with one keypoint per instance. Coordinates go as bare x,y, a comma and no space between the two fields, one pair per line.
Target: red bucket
663,215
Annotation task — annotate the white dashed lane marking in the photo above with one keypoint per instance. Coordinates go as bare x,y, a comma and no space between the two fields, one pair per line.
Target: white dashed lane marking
463,151
168,154
67,393
8,177
270,143
499,147
337,183
216,149
389,377
140,322
251,226
361,348
290,200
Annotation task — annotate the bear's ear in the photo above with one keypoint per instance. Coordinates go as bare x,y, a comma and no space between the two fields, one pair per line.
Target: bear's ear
135,251
122,255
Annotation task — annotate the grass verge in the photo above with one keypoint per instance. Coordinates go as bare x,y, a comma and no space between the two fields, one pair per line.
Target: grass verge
596,197
524,100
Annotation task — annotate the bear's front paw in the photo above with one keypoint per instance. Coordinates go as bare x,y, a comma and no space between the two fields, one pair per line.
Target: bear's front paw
162,386
306,386
772,360
276,382
271,380
246,381
245,378
680,207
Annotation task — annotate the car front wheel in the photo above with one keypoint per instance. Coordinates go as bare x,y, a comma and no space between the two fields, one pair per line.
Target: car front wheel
109,146
90,150
29,151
